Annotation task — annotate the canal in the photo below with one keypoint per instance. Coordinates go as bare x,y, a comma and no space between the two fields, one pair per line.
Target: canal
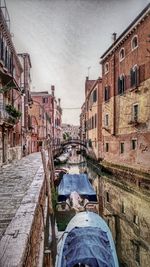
125,209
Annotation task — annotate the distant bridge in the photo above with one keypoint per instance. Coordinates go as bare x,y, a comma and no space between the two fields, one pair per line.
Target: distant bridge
74,142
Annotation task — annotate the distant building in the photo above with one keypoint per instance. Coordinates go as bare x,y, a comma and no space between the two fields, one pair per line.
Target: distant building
45,115
70,131
82,123
126,95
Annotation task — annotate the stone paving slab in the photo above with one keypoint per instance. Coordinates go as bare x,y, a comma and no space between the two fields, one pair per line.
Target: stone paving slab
15,180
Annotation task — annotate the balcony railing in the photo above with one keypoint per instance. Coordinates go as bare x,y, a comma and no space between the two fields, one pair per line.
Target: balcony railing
5,117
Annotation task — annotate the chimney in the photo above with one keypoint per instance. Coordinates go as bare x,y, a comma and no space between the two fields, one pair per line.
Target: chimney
114,37
59,102
87,78
53,90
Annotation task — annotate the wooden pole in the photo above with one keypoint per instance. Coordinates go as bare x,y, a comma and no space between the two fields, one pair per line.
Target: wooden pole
51,164
100,196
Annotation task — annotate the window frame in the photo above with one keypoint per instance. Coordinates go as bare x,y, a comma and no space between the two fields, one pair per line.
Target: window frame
134,147
121,84
106,121
121,58
94,98
134,76
106,147
134,47
135,117
106,93
121,147
106,69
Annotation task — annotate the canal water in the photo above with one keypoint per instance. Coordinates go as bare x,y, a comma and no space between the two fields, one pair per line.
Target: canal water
125,209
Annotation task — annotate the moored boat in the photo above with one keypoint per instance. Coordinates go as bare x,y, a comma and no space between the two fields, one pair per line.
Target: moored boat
87,241
76,190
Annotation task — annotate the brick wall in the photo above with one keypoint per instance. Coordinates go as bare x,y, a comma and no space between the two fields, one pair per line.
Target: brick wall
119,107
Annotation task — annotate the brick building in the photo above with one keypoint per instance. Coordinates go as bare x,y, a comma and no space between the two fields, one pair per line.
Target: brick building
126,95
45,118
41,114
93,115
70,131
10,93
57,122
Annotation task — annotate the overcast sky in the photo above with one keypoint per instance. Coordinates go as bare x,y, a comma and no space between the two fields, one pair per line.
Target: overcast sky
64,38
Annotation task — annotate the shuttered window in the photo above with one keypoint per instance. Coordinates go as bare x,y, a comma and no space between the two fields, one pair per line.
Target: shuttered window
134,77
107,93
121,85
94,96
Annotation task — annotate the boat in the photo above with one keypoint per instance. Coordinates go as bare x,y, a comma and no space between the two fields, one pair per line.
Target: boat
86,242
59,172
62,158
77,191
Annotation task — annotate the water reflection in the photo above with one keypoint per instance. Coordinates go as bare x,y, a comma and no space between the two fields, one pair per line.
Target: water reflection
126,211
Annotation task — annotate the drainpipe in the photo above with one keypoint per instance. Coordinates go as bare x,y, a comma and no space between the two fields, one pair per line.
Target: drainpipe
114,97
114,36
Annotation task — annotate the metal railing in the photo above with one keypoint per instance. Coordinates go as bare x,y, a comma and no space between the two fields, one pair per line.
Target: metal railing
5,116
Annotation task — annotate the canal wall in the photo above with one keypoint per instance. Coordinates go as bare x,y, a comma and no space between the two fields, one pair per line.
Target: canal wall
22,244
124,199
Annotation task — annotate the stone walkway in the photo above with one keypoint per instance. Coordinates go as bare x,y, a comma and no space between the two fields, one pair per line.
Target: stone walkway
15,180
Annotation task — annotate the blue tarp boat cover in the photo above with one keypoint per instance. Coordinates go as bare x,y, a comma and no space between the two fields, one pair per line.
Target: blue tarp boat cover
88,245
76,182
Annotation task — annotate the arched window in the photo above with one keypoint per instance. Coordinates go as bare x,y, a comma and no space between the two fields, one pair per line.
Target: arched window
106,67
134,42
122,54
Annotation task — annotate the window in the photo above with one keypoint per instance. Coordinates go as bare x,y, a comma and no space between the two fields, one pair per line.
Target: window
137,253
122,208
106,120
6,57
45,100
106,68
134,76
134,42
92,122
121,85
133,144
95,120
121,147
136,219
135,112
95,96
122,54
87,106
107,197
107,147
2,48
107,93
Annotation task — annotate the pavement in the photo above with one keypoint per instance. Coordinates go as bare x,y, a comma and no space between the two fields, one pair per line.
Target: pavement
15,180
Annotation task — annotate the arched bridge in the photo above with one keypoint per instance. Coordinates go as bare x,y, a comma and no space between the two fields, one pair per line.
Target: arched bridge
74,142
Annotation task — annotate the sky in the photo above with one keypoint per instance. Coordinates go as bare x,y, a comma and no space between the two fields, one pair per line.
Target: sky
65,40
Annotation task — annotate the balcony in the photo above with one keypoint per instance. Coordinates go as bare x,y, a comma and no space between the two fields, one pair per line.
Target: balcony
9,115
135,122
